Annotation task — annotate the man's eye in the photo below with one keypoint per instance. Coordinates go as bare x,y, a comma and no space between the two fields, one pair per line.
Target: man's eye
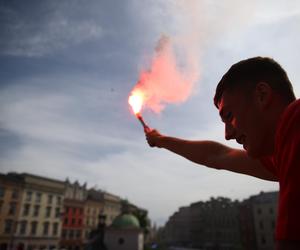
228,116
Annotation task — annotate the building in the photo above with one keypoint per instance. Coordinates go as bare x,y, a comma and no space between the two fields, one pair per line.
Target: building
217,224
178,228
264,209
142,215
205,225
72,236
101,203
39,219
111,207
257,219
196,223
11,191
93,208
124,234
38,213
247,226
223,224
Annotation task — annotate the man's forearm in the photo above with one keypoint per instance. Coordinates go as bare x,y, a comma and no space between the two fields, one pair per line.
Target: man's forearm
201,152
216,155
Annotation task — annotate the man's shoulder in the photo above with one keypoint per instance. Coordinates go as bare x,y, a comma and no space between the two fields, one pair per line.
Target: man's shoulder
290,118
295,105
288,133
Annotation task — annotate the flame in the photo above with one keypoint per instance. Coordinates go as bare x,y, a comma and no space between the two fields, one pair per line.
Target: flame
136,101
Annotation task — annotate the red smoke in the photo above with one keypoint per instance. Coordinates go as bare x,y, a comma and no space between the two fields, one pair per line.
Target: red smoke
165,82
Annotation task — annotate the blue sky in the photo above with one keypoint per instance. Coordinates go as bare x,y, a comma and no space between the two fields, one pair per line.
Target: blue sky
67,69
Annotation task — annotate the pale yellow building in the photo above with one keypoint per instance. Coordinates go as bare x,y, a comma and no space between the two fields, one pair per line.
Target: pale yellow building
111,207
92,210
10,196
101,203
41,206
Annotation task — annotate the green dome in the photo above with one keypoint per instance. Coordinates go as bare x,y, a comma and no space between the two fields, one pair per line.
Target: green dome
126,221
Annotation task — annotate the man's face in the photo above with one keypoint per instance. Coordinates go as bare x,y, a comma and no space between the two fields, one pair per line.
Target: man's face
242,121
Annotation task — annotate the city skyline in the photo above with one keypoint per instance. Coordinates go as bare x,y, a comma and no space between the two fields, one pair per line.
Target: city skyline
67,70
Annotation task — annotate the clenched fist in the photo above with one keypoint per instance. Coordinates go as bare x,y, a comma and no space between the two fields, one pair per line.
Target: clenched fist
153,137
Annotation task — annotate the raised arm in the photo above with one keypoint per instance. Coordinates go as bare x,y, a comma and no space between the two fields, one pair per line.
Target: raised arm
211,154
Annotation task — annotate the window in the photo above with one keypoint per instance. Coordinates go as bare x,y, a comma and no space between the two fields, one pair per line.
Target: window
71,234
271,210
73,221
46,228
273,224
12,208
258,211
263,240
2,192
23,226
78,234
121,241
36,210
66,210
48,212
57,212
261,225
38,197
33,228
8,226
26,209
50,199
55,229
64,234
58,200
15,194
66,221
28,196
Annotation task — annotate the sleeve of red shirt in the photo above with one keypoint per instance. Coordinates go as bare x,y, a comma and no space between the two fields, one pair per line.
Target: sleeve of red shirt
287,162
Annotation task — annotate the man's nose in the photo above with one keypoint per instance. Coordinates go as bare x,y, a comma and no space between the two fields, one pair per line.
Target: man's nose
229,132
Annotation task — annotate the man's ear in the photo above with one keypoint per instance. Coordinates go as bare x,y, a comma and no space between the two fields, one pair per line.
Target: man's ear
263,94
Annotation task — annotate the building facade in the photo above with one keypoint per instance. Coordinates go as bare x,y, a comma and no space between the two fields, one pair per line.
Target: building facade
224,224
92,210
38,213
72,236
264,208
39,219
39,222
11,191
213,224
111,207
178,228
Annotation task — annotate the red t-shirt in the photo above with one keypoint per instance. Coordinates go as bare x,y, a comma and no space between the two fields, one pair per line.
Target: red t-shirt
285,164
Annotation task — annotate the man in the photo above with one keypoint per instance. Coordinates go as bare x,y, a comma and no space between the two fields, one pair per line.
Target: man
257,104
